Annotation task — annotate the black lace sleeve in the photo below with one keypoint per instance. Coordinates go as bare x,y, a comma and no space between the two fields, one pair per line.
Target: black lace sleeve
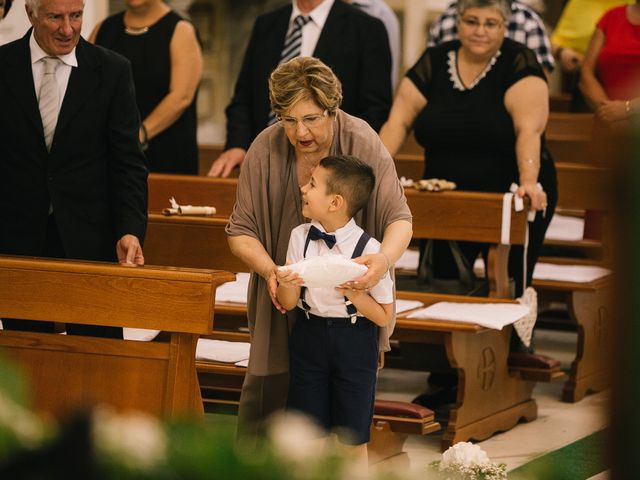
422,72
524,64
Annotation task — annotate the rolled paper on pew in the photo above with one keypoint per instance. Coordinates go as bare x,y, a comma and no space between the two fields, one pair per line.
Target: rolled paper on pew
177,209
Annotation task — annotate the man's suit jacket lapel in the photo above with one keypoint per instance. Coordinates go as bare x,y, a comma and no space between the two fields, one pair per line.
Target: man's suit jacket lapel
83,82
278,36
19,81
330,35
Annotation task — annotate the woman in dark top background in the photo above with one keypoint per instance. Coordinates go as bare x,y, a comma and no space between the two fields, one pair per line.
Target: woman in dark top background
479,106
167,65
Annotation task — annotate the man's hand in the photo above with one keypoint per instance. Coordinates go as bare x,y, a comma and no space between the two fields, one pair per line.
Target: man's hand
378,266
226,162
129,250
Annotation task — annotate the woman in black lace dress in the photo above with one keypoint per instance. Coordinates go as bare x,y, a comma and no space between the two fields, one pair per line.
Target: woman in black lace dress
479,107
167,65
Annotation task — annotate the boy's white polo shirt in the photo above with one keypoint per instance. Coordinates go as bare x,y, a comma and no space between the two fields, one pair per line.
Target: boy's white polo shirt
328,302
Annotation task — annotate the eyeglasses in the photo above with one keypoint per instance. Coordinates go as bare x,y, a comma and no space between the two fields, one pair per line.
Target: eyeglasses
490,25
309,121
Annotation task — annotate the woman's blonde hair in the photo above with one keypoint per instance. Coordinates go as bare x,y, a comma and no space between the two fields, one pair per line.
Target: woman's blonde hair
304,78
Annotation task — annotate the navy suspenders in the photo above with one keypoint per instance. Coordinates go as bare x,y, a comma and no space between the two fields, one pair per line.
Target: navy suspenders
351,309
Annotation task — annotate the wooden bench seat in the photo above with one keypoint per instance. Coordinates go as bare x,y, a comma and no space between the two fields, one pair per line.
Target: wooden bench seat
67,373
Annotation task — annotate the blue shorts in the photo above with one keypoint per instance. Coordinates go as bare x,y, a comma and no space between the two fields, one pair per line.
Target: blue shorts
333,368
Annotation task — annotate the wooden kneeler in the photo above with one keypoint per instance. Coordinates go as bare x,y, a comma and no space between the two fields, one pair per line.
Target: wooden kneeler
67,373
393,422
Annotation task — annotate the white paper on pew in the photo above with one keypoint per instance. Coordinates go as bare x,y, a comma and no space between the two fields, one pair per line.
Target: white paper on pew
222,351
139,334
408,260
406,305
326,271
234,292
490,315
563,227
569,273
243,363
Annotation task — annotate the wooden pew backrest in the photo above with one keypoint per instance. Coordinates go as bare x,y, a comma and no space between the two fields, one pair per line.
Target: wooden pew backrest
195,242
67,373
191,190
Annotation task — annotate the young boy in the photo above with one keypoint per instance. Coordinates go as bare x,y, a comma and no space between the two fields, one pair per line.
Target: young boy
333,348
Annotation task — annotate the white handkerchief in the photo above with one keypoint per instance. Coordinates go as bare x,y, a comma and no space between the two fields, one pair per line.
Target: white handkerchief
221,351
243,363
490,315
569,273
409,260
406,305
326,271
139,334
524,326
563,227
235,292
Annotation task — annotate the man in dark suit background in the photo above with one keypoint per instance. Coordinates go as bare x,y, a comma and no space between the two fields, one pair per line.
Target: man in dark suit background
355,46
72,174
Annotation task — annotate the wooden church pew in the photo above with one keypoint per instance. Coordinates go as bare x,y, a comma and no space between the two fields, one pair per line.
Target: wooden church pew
66,373
588,189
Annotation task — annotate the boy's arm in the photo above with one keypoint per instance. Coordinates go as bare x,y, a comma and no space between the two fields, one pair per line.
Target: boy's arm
288,291
378,313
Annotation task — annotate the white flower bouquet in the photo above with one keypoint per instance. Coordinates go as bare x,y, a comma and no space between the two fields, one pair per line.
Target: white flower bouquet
466,461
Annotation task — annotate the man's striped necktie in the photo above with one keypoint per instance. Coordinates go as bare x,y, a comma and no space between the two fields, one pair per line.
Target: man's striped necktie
48,99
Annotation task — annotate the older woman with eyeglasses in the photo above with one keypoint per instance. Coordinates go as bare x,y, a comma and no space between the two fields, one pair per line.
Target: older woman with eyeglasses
479,107
305,95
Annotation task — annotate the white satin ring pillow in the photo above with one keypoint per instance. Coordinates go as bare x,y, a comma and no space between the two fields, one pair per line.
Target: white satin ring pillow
327,271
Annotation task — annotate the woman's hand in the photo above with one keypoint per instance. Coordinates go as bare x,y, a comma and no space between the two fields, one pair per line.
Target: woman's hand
288,278
612,111
378,266
535,193
350,293
272,287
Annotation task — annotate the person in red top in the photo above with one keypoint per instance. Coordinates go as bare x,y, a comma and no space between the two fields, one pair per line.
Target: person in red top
610,74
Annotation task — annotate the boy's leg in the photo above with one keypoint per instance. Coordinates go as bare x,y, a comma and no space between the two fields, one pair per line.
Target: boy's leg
359,456
354,361
309,370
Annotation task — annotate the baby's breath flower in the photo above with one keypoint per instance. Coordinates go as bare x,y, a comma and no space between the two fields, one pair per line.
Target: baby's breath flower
135,440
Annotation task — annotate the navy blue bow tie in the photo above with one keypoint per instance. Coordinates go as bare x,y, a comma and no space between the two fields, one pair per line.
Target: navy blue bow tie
317,234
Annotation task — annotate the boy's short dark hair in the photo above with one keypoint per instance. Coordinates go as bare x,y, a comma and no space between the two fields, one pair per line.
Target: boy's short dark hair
351,178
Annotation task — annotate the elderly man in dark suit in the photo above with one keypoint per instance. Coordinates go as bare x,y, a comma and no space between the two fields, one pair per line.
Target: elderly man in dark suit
72,174
354,44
